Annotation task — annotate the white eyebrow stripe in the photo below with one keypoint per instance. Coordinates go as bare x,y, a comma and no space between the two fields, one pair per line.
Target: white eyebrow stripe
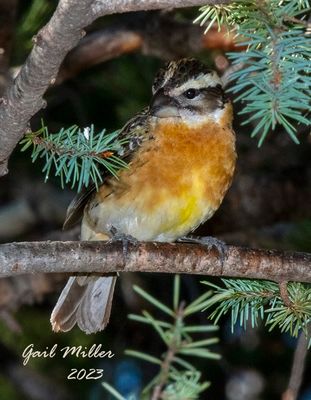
201,81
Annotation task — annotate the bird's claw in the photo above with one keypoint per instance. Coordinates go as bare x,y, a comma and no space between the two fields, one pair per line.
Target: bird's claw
209,242
125,239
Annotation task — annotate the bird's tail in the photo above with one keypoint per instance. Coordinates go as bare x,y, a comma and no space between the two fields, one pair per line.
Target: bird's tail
85,301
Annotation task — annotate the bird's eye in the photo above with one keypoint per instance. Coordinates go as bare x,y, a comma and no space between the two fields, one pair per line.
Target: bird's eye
191,93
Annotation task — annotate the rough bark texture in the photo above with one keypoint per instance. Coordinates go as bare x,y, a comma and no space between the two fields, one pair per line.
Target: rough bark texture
99,257
23,99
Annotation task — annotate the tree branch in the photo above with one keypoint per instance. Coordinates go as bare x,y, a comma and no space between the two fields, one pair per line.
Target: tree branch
298,367
24,98
98,47
104,7
101,257
152,33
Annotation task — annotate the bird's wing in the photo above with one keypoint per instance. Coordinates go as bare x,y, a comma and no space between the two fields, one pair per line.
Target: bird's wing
136,131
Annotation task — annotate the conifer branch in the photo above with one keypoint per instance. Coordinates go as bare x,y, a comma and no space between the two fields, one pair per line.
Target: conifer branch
24,97
286,306
168,359
274,82
76,154
176,376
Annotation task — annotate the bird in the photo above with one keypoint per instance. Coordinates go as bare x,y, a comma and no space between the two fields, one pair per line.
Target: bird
181,158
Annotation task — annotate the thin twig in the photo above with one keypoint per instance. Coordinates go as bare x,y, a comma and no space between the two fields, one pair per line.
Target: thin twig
284,293
298,368
168,359
165,366
295,20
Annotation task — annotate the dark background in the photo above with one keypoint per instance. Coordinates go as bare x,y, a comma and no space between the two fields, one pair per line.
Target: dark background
267,206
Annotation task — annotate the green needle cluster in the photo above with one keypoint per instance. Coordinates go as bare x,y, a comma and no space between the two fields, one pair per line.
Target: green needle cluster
273,78
77,156
177,378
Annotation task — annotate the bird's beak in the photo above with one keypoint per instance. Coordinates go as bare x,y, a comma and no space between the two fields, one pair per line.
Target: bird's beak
163,106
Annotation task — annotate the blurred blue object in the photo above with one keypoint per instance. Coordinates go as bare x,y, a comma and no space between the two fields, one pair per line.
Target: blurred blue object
306,395
128,379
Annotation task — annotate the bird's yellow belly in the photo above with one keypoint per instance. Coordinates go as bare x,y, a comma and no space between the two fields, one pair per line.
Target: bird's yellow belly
153,213
180,214
175,184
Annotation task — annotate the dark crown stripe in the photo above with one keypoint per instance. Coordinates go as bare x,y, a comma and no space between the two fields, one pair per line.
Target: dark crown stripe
177,73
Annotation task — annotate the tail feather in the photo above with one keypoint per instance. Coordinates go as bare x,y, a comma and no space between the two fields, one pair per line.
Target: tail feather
85,301
94,311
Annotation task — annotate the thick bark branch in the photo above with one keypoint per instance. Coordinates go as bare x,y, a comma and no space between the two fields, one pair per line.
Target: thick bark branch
24,98
100,257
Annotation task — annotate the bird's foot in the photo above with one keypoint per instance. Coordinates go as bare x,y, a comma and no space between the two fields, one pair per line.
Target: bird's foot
125,239
209,242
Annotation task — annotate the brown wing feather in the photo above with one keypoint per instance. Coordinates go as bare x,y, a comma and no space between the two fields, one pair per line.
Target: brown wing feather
136,132
75,209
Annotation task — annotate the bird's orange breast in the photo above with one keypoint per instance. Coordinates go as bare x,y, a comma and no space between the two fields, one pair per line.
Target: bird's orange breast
183,156
180,177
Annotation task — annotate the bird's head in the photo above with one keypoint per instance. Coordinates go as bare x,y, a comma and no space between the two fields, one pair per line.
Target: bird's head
187,90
